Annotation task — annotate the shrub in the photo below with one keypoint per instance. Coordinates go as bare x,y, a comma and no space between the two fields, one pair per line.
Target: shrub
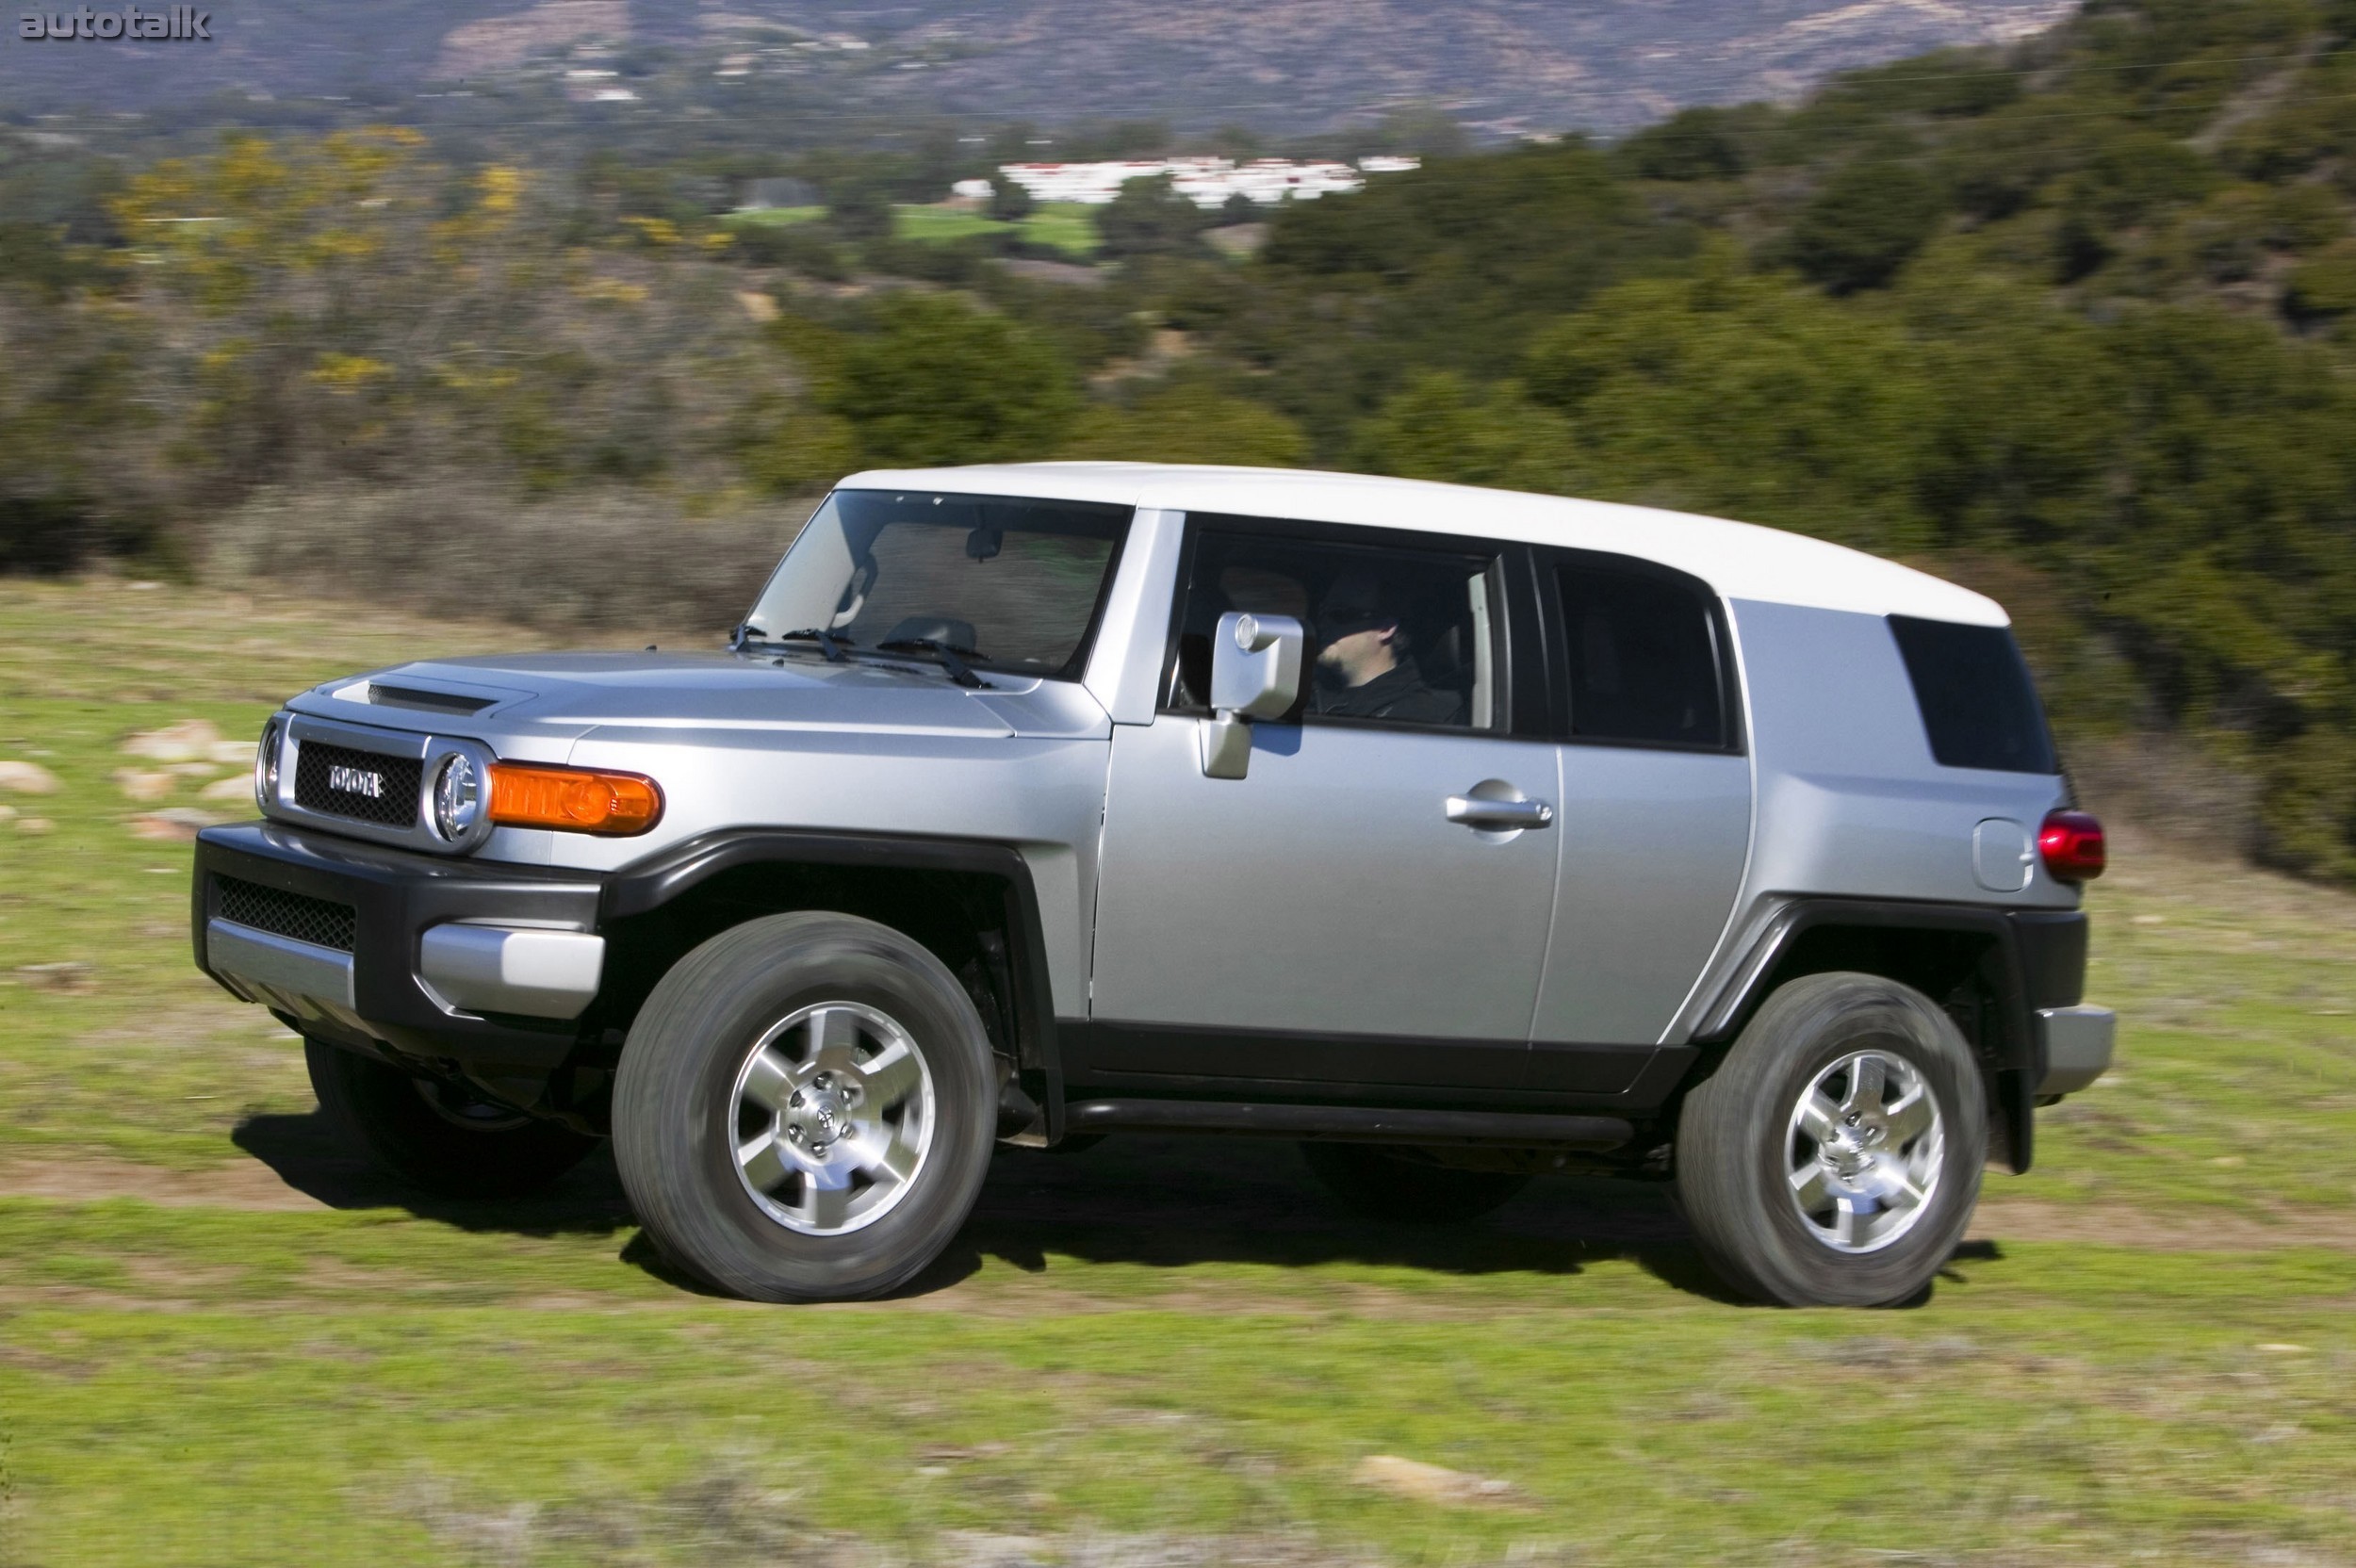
2324,286
595,560
1867,222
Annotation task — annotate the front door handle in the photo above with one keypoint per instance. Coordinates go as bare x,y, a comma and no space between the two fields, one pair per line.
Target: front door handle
1498,816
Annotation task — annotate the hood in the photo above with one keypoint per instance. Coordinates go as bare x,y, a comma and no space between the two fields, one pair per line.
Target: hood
570,695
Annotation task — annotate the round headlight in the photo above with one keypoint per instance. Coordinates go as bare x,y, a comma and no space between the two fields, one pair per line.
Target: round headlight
458,798
266,765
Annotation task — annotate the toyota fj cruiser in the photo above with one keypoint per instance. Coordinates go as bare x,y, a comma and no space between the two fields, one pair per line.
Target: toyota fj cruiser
1462,835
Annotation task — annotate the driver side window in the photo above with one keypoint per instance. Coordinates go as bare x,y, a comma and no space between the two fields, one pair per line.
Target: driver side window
1397,636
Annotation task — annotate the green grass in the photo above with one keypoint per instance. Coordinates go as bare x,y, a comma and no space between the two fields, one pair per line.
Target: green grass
1067,227
1173,1340
774,217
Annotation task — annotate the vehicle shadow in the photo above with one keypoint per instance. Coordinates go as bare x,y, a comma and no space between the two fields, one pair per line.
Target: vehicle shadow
310,1155
1161,1202
1173,1201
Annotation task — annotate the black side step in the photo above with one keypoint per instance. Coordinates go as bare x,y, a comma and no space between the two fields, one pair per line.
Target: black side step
1347,1124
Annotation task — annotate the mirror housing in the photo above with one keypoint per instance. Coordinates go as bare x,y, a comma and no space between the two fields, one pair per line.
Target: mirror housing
1255,674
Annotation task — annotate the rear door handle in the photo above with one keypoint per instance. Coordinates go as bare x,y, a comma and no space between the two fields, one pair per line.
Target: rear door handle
1498,816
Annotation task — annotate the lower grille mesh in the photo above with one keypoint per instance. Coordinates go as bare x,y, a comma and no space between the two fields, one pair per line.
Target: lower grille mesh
305,919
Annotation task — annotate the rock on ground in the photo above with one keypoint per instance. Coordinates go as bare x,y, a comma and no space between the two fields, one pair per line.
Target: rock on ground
68,976
27,777
174,824
1427,1484
143,785
188,741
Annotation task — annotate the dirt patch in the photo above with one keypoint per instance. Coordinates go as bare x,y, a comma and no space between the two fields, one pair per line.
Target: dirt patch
501,42
2164,1231
1593,1214
246,1184
86,1299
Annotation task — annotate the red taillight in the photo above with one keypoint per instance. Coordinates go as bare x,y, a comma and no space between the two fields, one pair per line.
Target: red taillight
2071,845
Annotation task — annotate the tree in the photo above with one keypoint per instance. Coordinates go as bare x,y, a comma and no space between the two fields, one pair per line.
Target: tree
859,210
1746,396
2324,286
1695,144
1439,426
1865,223
1008,202
1188,421
927,379
1149,218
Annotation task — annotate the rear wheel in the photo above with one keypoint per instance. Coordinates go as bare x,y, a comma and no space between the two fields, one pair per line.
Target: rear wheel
805,1109
1405,1185
436,1135
1834,1159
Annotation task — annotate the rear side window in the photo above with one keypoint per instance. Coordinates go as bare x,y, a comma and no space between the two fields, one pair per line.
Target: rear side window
1978,703
1644,659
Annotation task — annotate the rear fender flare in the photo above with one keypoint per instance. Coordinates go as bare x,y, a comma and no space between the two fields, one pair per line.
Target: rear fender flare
2018,975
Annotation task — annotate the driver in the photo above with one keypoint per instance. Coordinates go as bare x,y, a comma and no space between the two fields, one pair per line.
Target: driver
1364,668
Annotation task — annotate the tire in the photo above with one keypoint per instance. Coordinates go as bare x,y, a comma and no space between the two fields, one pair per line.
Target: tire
1402,1186
434,1136
805,1109
1885,1074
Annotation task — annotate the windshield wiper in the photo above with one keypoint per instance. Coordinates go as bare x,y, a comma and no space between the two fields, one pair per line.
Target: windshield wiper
952,657
828,644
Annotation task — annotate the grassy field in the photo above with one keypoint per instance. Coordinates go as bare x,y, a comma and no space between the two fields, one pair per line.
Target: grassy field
222,1342
774,218
1067,226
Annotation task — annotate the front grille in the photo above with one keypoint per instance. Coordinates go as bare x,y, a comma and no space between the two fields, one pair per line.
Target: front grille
366,786
305,919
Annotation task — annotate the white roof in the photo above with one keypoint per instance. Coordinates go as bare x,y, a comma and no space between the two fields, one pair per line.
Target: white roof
1741,561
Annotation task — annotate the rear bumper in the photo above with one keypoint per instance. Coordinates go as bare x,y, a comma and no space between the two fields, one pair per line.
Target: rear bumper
2074,1044
383,950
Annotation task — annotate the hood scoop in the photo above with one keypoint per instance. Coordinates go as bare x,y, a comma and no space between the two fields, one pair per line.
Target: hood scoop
448,701
384,695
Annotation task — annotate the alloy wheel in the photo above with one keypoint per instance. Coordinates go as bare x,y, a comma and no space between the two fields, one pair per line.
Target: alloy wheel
833,1116
1862,1157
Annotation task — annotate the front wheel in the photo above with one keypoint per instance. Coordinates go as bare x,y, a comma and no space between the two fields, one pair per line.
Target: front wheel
1834,1159
805,1109
434,1136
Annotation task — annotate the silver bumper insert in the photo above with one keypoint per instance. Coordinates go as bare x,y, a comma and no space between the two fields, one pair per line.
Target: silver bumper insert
280,963
2077,1046
500,969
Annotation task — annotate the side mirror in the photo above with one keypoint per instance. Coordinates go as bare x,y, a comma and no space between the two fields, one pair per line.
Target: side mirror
1255,674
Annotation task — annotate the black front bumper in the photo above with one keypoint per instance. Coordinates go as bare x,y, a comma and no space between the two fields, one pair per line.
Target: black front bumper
394,895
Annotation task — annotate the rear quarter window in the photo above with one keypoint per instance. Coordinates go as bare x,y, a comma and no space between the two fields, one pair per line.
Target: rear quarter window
1979,706
1643,650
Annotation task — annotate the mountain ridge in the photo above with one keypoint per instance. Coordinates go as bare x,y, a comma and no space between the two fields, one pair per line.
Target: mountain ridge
1505,67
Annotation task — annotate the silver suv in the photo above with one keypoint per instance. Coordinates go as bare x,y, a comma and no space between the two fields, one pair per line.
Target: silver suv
1461,835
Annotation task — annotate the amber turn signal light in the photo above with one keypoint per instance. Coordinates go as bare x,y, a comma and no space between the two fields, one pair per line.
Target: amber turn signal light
576,800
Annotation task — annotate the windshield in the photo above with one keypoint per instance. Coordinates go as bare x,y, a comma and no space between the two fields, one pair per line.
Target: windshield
1009,583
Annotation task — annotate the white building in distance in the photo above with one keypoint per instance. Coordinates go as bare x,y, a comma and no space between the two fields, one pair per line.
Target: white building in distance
1205,182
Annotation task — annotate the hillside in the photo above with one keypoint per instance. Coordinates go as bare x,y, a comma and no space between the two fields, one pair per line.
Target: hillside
1279,66
2074,321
